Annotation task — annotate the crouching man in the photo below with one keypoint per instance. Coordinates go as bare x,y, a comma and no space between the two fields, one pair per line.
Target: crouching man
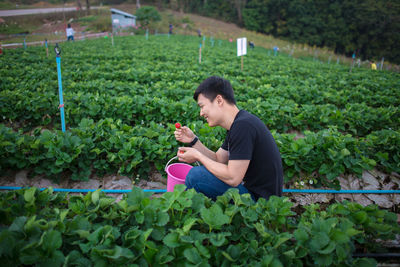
249,158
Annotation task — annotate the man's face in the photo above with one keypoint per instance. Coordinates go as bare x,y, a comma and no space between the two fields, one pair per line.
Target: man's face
209,110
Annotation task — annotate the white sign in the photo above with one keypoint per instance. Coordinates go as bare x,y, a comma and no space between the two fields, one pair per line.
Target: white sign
241,46
116,21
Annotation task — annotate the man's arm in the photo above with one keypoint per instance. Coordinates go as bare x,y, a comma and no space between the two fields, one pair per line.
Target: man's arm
185,135
220,156
231,173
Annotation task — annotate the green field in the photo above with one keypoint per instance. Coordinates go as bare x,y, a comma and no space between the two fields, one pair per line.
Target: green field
121,103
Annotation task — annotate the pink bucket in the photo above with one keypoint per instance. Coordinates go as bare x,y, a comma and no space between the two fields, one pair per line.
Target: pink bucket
176,174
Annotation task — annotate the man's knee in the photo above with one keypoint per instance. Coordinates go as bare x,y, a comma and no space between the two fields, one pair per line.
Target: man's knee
192,176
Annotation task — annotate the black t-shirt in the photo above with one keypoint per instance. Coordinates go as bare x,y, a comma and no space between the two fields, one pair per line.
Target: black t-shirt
249,139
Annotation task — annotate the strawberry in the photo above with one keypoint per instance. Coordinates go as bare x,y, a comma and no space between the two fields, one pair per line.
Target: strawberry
177,125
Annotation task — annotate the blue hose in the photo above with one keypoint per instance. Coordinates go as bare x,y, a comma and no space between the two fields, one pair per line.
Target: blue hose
319,191
110,191
122,191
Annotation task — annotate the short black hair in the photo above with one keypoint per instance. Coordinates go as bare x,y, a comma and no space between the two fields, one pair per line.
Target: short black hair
213,86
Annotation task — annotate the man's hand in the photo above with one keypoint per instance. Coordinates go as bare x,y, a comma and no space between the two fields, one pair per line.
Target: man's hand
188,154
184,135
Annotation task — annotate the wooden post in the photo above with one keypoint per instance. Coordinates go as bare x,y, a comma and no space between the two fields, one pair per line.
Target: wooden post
241,49
200,55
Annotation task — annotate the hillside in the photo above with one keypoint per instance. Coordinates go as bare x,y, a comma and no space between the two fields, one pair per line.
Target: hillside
51,26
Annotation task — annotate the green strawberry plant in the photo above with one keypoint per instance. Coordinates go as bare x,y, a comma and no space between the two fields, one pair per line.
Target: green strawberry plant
184,228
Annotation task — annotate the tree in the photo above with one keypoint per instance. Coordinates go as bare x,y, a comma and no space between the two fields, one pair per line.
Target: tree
79,5
87,7
256,16
147,14
239,5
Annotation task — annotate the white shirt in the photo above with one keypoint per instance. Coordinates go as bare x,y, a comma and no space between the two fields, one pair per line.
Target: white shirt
70,32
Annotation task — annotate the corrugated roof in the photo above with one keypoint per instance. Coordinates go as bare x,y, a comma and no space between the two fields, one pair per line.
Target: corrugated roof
122,13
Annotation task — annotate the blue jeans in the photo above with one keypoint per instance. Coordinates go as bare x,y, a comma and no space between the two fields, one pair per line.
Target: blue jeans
205,182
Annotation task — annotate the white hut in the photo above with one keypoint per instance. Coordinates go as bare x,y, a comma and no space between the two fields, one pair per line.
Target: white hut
121,19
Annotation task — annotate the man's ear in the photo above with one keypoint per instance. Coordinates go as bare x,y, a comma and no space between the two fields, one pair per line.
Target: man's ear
220,99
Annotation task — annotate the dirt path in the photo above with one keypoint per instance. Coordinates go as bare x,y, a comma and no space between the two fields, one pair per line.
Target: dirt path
111,181
21,12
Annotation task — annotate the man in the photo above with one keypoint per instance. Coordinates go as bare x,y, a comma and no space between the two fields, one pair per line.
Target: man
249,158
251,44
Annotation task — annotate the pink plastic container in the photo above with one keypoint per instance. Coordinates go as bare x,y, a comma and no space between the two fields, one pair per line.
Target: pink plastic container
176,174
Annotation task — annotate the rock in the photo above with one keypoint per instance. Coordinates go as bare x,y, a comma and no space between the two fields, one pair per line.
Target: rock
91,184
393,243
157,177
322,198
370,187
395,180
302,199
362,199
381,200
370,181
345,185
118,182
118,198
142,184
354,182
395,174
45,183
156,185
396,199
389,186
307,199
378,174
342,197
7,180
21,178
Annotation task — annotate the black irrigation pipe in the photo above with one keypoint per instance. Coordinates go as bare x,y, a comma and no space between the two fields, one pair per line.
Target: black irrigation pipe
376,255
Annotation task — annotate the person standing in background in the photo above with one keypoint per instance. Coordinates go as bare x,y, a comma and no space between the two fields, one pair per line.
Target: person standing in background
70,32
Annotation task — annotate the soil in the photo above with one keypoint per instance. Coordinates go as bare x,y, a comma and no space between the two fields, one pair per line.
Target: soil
371,180
53,27
110,181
